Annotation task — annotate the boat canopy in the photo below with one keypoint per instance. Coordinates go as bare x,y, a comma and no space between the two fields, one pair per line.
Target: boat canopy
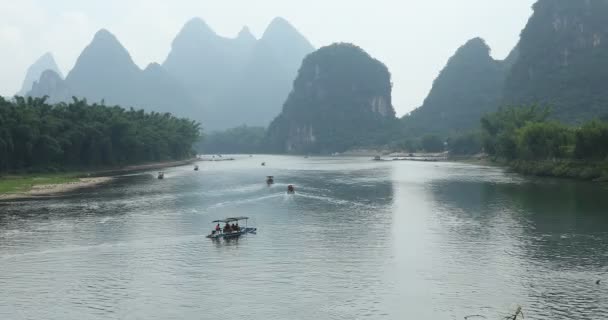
227,220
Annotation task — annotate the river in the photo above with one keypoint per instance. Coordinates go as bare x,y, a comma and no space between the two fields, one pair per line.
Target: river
359,240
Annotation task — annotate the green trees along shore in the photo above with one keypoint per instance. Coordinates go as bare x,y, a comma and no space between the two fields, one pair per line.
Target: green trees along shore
531,144
37,136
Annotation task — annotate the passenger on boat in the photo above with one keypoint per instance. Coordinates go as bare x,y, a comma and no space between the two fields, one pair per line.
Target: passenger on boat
227,228
218,228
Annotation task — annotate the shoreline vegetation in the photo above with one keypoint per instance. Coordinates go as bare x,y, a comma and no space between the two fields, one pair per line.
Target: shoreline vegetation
51,149
48,185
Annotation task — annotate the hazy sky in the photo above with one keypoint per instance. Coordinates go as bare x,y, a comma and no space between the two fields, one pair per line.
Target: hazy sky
414,38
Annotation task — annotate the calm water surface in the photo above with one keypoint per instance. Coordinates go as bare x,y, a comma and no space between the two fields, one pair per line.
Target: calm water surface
360,240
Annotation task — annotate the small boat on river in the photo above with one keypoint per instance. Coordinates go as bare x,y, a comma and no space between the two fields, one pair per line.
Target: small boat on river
270,180
291,189
196,168
161,175
230,229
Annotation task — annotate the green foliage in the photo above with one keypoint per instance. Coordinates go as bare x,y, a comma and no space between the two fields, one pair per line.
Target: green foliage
242,139
592,141
34,134
544,140
341,100
408,145
533,145
432,143
465,144
15,184
499,129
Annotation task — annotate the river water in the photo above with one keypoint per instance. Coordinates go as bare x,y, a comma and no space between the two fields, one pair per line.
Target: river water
359,240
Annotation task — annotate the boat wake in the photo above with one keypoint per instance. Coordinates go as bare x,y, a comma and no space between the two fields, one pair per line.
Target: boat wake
243,201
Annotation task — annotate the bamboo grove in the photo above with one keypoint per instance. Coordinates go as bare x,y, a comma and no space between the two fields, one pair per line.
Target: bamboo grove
35,135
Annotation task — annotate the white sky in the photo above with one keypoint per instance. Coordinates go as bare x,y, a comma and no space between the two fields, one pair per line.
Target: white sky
414,38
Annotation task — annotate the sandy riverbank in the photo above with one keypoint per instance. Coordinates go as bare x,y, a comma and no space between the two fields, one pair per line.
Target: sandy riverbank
88,180
51,190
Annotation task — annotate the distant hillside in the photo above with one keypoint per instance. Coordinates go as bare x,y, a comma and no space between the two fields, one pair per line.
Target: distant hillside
46,62
563,60
469,86
52,86
218,81
341,99
106,72
240,80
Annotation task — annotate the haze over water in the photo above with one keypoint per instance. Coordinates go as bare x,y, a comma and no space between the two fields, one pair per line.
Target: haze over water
359,240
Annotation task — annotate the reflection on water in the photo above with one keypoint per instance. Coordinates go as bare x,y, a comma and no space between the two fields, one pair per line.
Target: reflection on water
360,239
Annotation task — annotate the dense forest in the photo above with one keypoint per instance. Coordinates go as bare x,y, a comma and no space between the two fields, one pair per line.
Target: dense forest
340,100
35,135
241,139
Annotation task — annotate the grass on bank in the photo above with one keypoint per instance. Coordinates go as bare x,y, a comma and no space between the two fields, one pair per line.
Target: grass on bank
24,183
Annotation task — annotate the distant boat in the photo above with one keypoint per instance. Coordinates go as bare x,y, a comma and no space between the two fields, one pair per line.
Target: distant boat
263,164
161,175
196,168
377,158
270,180
291,189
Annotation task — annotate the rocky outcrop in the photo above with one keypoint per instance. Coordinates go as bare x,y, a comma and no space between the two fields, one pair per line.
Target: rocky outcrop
469,86
563,60
341,99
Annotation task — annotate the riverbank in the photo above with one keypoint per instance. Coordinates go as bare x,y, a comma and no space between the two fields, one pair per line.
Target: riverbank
571,169
562,168
34,186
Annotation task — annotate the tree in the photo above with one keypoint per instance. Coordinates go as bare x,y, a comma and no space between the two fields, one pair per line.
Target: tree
37,135
432,143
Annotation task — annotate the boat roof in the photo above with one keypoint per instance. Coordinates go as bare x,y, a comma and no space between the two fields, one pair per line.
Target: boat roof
230,219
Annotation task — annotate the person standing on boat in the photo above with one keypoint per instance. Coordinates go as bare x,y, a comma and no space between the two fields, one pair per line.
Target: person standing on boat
218,228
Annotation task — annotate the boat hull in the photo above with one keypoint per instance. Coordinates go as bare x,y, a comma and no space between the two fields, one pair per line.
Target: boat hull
232,235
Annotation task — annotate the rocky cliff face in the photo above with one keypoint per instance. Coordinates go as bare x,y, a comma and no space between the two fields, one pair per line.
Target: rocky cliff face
46,62
468,87
563,60
341,99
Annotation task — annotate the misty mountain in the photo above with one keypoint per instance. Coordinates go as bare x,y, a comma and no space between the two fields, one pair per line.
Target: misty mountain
51,85
240,80
563,60
469,86
221,82
46,62
341,99
106,72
